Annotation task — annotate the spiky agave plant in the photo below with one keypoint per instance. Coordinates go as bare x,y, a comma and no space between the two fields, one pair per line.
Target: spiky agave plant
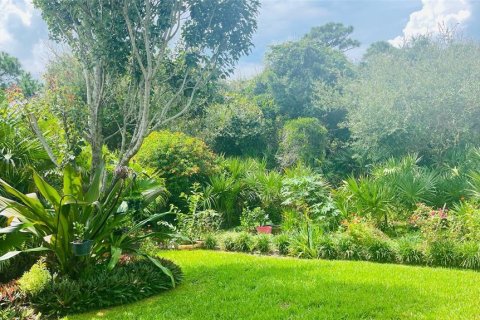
53,219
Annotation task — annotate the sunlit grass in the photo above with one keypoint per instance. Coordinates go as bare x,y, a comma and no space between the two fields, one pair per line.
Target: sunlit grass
221,285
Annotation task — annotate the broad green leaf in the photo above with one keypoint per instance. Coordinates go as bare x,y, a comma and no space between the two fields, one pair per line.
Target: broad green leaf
46,190
28,200
115,253
165,270
72,183
93,192
12,254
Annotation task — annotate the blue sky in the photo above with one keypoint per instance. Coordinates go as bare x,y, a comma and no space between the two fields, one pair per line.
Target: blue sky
24,34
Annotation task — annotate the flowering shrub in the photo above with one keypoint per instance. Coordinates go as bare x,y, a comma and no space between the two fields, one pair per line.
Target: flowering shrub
432,223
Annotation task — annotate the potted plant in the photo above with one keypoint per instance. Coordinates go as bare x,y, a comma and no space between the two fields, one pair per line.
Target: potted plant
264,225
80,246
264,229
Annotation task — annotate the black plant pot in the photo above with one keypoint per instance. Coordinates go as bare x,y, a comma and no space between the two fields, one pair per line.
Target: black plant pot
82,248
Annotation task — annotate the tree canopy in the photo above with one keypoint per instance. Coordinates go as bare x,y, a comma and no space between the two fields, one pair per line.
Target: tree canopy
159,54
422,98
294,67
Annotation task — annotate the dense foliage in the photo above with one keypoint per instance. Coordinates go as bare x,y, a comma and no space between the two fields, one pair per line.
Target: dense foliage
95,288
180,159
421,98
377,160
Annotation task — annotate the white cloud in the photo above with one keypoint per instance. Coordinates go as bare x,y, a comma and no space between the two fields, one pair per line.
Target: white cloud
22,9
434,15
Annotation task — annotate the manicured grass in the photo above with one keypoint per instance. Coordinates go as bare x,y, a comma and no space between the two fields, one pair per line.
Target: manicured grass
220,285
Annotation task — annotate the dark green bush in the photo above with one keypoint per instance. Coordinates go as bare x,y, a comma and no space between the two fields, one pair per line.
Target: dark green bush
243,242
326,248
99,288
346,248
468,254
410,252
180,159
441,252
210,242
282,242
263,243
228,243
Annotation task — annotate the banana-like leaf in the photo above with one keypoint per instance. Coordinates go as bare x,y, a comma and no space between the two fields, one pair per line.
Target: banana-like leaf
15,228
47,191
13,209
12,240
72,183
28,200
161,267
93,192
142,223
12,254
115,254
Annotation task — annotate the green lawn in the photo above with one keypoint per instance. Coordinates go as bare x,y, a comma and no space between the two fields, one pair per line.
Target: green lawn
221,285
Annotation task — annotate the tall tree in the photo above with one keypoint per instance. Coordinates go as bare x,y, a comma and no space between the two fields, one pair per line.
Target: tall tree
12,73
156,54
294,67
10,69
422,98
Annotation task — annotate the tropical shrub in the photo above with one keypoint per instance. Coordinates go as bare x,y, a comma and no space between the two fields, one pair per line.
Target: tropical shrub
327,248
370,198
243,242
197,221
230,191
228,242
19,149
442,252
309,196
409,182
347,248
104,218
467,220
374,244
468,254
410,251
304,242
267,186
